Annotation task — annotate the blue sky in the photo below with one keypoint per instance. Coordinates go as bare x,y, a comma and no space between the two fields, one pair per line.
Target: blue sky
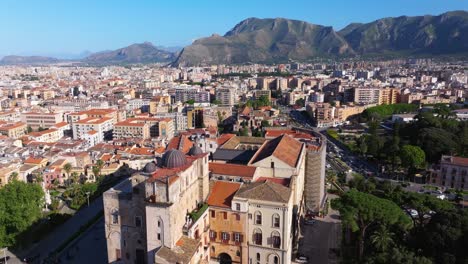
62,27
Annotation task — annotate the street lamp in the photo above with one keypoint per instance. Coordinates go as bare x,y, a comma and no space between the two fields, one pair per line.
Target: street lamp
87,195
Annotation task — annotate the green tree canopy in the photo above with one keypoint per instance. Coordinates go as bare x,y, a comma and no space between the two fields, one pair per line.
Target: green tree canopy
360,210
412,157
20,207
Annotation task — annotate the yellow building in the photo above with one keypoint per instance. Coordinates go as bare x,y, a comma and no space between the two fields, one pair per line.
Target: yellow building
160,104
15,130
389,96
131,129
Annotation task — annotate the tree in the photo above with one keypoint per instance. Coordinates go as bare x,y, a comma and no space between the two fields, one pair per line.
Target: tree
29,128
244,132
382,238
374,142
20,206
75,178
216,102
190,102
362,145
423,204
96,171
14,176
445,236
67,168
300,102
412,157
360,210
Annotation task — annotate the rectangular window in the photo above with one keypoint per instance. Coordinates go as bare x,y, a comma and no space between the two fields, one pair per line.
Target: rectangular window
159,236
276,221
237,217
115,218
237,237
213,214
238,206
225,237
118,254
225,215
138,221
212,235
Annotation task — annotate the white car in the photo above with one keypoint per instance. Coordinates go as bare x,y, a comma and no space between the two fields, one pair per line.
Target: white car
302,259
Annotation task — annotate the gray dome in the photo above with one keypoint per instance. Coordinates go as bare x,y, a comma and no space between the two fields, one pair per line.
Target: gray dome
173,159
195,150
150,167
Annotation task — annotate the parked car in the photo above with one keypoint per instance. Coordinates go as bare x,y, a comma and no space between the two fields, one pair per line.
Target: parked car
302,259
309,222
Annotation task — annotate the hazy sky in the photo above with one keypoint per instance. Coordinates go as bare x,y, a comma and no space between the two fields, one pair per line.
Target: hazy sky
54,27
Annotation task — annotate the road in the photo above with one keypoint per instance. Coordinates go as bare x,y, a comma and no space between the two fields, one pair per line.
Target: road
90,247
57,237
321,241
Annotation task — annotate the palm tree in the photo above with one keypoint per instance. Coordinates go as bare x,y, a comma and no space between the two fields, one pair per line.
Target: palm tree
67,168
75,177
382,238
14,176
96,171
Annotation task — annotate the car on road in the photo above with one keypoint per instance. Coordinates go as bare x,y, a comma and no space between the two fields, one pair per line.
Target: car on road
302,259
310,222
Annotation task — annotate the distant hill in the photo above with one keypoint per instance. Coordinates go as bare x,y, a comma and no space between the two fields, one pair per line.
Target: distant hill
279,40
443,34
266,40
13,59
136,53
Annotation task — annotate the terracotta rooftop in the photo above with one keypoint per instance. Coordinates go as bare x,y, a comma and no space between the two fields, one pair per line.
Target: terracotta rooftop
224,138
265,191
283,147
181,142
232,169
459,161
282,181
183,252
222,193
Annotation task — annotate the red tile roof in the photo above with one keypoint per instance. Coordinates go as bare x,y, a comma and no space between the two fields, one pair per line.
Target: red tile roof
222,193
283,147
282,181
232,169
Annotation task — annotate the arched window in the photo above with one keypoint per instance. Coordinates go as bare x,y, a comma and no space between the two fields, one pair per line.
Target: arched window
258,218
258,257
275,260
275,239
257,237
115,216
276,220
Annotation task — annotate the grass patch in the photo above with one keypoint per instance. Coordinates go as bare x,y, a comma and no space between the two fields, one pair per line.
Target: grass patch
196,215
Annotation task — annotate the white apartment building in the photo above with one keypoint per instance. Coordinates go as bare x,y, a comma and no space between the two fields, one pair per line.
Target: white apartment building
100,125
366,95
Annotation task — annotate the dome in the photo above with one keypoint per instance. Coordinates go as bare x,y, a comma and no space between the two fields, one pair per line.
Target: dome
150,167
173,159
195,150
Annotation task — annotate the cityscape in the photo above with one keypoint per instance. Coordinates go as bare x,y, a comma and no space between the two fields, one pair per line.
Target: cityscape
277,141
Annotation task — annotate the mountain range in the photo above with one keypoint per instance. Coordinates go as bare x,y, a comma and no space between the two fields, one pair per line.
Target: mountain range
256,40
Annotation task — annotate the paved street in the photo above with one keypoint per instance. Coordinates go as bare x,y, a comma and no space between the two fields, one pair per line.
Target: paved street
320,241
63,232
88,248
